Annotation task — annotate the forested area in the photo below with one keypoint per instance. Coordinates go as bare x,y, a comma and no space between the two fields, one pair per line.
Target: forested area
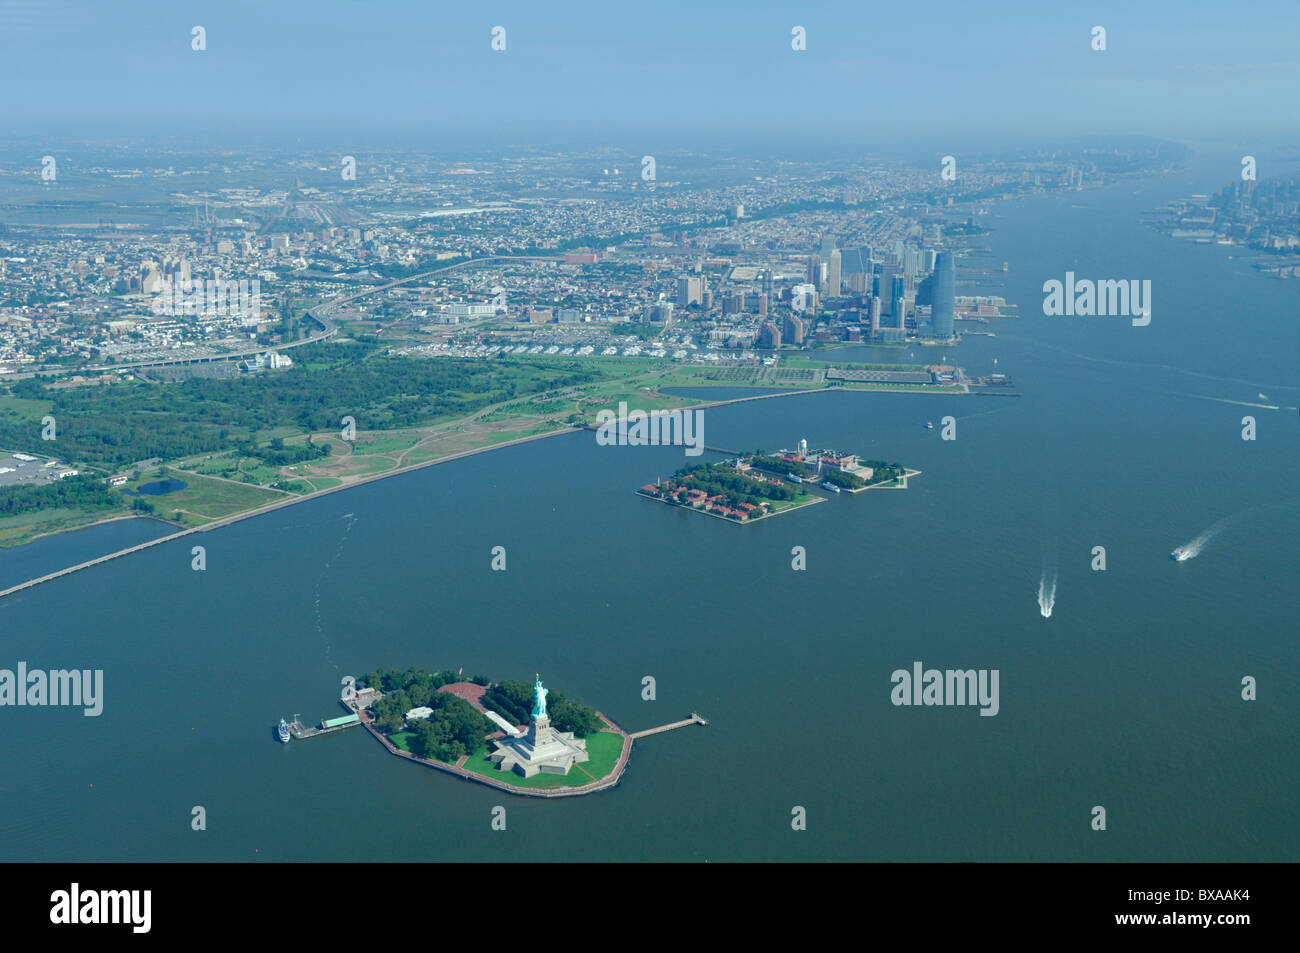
513,700
736,488
454,729
82,492
129,421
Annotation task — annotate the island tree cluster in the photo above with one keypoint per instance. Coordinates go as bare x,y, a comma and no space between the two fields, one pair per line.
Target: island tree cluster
514,701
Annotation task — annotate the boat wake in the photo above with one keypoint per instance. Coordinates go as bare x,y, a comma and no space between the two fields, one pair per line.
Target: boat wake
1192,548
1047,593
320,627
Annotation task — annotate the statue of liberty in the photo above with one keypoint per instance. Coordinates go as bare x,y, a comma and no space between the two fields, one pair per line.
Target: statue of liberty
539,703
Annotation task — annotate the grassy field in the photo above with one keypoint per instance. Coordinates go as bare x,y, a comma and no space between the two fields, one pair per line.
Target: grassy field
479,764
604,748
393,443
781,506
22,409
16,530
402,739
205,499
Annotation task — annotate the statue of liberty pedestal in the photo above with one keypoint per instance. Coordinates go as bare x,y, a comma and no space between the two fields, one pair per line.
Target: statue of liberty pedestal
543,749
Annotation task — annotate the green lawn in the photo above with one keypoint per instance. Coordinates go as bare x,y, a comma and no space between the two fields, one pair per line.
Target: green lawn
210,499
387,444
23,409
604,748
17,530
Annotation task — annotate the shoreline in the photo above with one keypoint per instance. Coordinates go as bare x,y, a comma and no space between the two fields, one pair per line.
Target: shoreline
757,519
270,507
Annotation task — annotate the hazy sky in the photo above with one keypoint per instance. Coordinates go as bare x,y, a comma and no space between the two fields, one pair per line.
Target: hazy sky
949,68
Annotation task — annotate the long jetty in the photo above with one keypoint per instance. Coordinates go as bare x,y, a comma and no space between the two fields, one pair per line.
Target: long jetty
693,720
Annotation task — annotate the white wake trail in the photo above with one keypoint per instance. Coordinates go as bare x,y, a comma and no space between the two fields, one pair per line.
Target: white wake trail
1047,593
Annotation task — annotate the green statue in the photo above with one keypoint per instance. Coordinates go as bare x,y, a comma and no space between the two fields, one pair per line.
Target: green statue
539,694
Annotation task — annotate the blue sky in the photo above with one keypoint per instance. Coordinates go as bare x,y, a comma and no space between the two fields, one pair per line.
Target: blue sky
1015,69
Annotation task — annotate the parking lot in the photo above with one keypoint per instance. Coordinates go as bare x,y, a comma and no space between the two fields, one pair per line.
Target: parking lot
15,471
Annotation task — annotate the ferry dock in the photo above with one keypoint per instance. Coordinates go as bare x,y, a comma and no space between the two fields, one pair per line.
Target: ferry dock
329,726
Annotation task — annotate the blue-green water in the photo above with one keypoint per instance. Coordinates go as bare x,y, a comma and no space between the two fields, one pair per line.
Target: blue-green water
1127,697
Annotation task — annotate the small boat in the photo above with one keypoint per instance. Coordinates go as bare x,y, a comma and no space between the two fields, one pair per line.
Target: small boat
1180,554
929,425
283,730
828,485
794,479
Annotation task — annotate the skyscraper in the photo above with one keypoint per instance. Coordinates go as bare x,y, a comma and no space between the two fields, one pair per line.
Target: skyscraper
815,270
688,291
941,305
833,275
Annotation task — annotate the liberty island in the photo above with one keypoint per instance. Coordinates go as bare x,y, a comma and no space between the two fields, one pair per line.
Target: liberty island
474,729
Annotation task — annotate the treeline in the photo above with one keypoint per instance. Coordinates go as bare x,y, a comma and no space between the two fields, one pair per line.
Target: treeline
781,465
720,479
80,492
454,729
883,472
130,421
847,481
514,701
276,454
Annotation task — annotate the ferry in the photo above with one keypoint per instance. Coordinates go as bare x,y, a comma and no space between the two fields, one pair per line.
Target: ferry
794,479
1179,554
828,485
283,731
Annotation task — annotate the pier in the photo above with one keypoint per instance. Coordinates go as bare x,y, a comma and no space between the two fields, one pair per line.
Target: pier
693,720
299,731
